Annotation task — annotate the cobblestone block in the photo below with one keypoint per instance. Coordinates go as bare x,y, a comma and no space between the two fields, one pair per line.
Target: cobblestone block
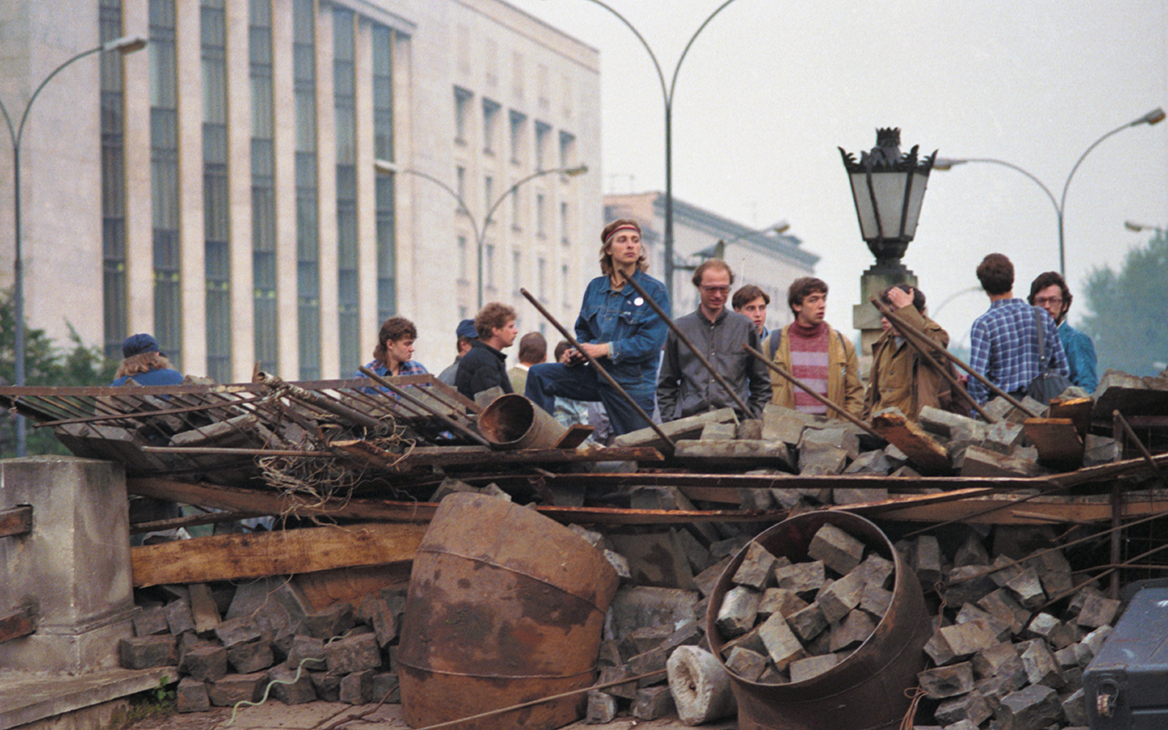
204,663
235,688
144,652
251,657
357,687
811,667
150,621
746,663
755,569
1032,708
652,703
352,654
950,681
738,611
601,708
289,688
191,696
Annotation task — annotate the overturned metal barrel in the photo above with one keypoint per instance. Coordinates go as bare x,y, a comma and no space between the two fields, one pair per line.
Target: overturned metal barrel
865,691
505,606
512,421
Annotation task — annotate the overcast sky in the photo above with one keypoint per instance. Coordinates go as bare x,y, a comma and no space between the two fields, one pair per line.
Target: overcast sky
769,90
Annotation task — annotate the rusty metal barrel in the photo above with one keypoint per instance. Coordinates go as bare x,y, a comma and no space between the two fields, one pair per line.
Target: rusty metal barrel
505,606
865,691
512,421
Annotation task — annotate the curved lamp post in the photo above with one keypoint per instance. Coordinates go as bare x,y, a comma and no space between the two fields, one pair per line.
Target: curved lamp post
125,44
386,167
667,94
1153,117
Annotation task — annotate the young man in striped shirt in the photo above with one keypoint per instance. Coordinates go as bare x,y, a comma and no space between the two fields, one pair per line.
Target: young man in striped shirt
816,354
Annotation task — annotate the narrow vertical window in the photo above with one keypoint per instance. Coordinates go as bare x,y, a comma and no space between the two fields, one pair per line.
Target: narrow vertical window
345,115
216,208
263,194
307,233
168,315
115,306
383,40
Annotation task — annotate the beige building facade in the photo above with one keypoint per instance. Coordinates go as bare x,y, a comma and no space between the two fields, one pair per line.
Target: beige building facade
768,260
219,190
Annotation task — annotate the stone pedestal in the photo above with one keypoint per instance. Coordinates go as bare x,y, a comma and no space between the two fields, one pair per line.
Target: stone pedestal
878,277
74,567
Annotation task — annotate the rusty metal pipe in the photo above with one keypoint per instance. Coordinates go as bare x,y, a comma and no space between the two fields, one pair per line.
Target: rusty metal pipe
603,373
914,338
806,388
419,404
688,343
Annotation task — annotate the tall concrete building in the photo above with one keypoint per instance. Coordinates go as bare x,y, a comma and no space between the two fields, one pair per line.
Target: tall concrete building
758,257
219,189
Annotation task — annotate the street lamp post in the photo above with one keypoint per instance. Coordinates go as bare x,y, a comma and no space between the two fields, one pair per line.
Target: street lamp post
1153,117
391,168
125,44
667,94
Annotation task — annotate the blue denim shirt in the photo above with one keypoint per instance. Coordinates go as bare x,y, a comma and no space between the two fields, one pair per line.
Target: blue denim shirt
1080,357
633,330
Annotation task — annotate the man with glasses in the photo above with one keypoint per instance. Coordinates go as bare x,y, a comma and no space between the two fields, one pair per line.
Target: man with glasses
685,386
1050,292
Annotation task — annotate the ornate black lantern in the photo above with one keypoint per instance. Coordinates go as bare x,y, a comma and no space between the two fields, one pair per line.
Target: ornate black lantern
888,188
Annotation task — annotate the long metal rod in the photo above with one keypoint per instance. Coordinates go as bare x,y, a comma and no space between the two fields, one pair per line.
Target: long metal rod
913,337
1140,445
599,369
806,388
965,366
474,436
689,343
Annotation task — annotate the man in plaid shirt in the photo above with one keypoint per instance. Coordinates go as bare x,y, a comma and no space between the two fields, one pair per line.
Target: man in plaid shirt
1004,340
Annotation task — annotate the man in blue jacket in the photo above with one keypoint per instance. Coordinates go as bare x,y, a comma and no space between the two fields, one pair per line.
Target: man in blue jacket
618,329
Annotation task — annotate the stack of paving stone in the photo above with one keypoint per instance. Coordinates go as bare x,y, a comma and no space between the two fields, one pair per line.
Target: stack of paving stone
789,622
343,653
1013,637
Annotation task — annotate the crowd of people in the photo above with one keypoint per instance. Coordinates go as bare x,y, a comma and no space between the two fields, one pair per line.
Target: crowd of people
703,361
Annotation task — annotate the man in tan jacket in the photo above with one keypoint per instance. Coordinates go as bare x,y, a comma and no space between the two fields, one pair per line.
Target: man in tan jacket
900,377
816,354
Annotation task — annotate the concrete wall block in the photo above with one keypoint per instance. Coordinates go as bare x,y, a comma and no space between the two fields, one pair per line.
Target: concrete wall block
291,687
353,654
235,688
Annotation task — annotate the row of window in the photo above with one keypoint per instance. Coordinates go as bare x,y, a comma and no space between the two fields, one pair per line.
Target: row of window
519,136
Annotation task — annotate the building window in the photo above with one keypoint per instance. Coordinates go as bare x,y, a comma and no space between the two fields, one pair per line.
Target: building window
516,271
164,181
515,210
216,206
565,224
115,306
460,184
541,278
541,83
385,192
345,116
518,138
565,285
489,265
490,125
463,256
307,219
543,135
462,99
567,149
540,215
266,321
488,196
517,80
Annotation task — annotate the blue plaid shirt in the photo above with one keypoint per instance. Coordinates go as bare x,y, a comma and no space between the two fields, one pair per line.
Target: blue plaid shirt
1004,344
1080,357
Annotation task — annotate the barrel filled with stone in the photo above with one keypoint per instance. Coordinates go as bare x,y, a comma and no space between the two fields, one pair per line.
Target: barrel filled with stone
821,626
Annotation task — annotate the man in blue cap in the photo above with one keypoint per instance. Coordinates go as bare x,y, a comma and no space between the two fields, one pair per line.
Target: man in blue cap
466,334
145,364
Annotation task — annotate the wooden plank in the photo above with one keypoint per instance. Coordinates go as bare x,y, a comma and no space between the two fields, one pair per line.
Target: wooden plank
1076,409
924,451
283,552
1057,440
16,521
20,622
576,434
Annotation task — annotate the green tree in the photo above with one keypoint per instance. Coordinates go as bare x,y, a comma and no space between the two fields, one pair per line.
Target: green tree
48,365
1128,318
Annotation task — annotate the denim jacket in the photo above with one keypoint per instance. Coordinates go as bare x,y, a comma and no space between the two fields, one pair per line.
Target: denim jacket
633,330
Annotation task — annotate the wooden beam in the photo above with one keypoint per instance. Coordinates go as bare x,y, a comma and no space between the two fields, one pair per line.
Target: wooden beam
1057,441
16,521
20,622
283,552
924,451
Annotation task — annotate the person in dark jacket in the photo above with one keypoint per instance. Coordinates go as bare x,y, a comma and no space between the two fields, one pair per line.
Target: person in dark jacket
484,366
145,364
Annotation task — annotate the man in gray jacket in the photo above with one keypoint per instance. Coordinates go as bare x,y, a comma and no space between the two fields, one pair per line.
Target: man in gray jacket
685,387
